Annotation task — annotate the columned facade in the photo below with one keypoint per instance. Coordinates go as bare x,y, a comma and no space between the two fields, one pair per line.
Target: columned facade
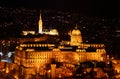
76,38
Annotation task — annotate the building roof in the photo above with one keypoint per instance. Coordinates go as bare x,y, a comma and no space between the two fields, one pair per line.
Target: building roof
76,31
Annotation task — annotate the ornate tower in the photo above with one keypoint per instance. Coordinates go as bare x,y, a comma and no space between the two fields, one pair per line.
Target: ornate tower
40,24
76,38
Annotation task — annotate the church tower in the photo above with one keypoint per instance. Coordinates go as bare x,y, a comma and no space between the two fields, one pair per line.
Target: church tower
40,24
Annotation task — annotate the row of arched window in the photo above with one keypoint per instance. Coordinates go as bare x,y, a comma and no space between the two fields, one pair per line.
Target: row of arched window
36,45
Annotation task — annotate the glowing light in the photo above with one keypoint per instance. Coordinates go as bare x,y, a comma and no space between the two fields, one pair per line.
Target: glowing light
76,32
53,32
40,25
49,71
16,77
28,32
60,76
7,71
30,50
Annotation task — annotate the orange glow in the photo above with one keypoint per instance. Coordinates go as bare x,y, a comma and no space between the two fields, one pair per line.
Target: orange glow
16,77
49,71
7,71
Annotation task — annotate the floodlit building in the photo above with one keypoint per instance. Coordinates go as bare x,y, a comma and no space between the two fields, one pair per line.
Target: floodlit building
41,30
28,32
76,38
32,55
40,25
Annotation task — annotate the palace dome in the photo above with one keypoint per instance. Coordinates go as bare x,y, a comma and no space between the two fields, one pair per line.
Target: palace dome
76,32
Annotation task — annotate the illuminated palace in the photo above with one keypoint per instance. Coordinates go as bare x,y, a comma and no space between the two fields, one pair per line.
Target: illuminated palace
31,55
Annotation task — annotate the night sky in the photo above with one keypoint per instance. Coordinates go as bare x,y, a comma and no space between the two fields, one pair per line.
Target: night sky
89,7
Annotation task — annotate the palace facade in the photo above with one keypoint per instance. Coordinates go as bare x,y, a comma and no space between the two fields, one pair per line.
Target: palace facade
31,55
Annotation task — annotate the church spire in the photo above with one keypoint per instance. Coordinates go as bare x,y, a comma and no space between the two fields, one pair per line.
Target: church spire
40,24
40,17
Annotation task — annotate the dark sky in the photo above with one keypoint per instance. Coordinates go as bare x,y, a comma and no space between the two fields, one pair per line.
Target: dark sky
94,7
88,7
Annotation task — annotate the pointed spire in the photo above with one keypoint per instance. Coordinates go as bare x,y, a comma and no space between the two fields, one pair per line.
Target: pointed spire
40,24
40,16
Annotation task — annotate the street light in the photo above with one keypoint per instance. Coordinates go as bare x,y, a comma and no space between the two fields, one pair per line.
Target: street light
16,77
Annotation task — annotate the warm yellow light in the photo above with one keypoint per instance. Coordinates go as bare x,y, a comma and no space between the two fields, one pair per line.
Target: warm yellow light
16,77
76,32
30,50
7,71
59,75
53,32
49,71
118,71
28,32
